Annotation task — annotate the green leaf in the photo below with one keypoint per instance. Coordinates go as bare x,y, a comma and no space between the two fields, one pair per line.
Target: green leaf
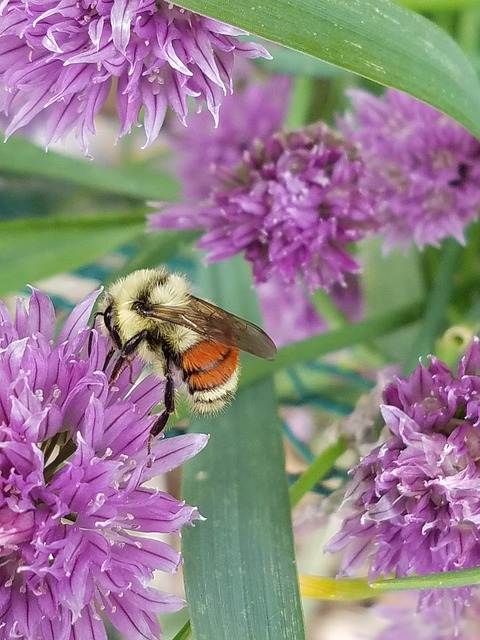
34,248
290,62
373,38
156,248
20,156
240,575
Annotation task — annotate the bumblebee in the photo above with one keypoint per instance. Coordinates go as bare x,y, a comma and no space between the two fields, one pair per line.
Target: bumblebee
152,314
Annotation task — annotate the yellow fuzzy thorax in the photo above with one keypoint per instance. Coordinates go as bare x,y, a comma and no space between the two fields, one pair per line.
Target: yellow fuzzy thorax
157,286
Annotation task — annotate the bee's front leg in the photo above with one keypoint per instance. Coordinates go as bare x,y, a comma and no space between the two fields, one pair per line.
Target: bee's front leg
126,353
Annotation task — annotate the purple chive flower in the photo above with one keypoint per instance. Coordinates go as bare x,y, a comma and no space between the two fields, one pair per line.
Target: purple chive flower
422,167
63,58
73,463
292,206
414,500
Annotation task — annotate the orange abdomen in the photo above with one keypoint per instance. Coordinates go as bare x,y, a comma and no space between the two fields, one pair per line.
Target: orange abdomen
208,364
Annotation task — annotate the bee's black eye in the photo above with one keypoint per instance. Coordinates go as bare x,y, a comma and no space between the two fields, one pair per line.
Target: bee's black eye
138,306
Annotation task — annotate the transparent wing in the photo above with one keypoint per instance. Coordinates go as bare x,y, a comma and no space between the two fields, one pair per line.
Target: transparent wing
215,323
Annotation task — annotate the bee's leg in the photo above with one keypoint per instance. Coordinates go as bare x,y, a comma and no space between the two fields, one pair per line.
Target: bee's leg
169,402
108,357
126,353
117,369
107,319
114,335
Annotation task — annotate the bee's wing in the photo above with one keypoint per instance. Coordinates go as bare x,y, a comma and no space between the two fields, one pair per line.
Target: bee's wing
215,323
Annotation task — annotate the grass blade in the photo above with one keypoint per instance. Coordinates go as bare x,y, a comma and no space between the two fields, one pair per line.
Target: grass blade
240,572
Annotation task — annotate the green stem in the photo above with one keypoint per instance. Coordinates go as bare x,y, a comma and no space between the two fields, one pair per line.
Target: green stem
347,589
318,346
437,5
299,107
66,451
467,30
327,309
315,472
441,580
434,319
185,632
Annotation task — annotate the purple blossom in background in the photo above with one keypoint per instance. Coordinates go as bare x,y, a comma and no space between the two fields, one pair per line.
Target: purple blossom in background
252,113
415,498
73,461
292,206
290,316
65,57
423,168
428,623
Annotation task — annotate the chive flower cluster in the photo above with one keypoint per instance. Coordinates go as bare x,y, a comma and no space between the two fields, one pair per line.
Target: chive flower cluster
60,60
413,506
292,206
73,499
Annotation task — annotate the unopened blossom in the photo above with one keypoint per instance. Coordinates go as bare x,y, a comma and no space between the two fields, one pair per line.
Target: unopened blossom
414,506
73,467
422,167
61,59
292,207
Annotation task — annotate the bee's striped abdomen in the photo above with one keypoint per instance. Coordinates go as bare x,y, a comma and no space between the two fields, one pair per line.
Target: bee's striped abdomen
210,370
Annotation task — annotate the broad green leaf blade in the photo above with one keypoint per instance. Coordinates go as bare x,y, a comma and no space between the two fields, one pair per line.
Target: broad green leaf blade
18,155
373,38
34,248
240,575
